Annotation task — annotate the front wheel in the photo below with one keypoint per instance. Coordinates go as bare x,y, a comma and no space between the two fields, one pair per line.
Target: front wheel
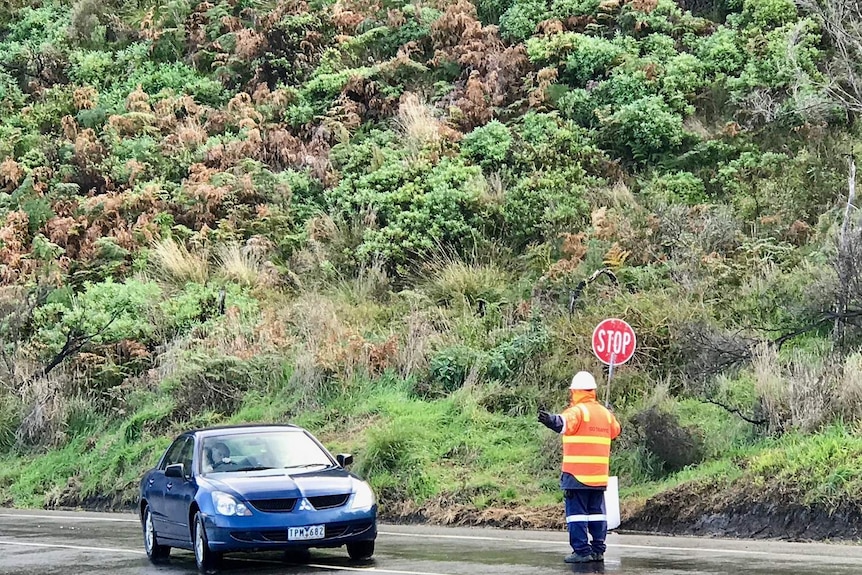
155,552
206,559
360,550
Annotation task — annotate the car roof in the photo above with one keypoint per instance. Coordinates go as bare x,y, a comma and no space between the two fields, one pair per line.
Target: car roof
239,429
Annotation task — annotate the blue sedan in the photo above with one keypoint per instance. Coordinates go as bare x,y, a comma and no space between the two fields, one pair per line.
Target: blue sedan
249,488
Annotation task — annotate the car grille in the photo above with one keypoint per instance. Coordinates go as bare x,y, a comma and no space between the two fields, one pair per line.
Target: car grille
274,505
328,501
280,536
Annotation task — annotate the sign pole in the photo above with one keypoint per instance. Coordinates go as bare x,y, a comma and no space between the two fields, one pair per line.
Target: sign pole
610,376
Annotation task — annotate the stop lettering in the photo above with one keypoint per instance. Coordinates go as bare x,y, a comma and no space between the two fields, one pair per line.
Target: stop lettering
614,341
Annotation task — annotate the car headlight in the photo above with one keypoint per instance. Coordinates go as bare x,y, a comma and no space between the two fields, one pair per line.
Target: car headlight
363,497
226,504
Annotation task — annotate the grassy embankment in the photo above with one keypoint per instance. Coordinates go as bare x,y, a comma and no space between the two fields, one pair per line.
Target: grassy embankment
374,221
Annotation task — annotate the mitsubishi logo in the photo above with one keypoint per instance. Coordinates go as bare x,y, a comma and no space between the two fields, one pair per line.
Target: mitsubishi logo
304,505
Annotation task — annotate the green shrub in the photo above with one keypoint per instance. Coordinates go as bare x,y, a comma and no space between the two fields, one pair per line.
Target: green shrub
107,311
622,88
9,11
109,261
565,8
551,49
286,39
590,58
765,14
659,46
93,67
45,24
768,64
541,206
197,303
673,445
721,52
448,369
517,357
644,129
11,96
419,207
745,181
578,106
488,145
677,187
666,18
205,382
545,141
776,298
683,79
161,79
490,11
521,18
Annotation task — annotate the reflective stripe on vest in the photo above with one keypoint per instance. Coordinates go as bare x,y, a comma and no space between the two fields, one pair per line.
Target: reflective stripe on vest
587,451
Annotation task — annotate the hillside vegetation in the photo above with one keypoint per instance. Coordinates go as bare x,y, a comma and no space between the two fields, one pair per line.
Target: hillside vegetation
397,223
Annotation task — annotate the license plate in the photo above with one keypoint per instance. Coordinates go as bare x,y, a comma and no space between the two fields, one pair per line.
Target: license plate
306,533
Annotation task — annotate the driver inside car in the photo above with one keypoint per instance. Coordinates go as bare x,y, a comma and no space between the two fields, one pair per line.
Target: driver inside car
219,454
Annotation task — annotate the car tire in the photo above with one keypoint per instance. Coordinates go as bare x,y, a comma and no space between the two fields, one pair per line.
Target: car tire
206,559
155,553
360,550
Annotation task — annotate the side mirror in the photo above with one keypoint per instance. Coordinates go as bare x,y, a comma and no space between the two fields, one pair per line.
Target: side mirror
344,459
175,470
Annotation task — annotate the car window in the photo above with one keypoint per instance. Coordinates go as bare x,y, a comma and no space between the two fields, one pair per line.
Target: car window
174,452
186,456
259,451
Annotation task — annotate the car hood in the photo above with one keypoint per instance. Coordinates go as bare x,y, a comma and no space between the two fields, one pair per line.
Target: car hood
281,483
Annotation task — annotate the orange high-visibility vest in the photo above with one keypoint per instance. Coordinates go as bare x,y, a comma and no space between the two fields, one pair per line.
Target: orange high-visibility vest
587,433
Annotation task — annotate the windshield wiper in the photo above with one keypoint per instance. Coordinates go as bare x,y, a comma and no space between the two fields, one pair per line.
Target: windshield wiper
255,468
308,465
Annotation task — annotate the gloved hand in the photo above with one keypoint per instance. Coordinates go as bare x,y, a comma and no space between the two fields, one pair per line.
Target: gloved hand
545,418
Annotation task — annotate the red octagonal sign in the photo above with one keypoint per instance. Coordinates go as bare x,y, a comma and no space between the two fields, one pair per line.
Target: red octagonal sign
614,341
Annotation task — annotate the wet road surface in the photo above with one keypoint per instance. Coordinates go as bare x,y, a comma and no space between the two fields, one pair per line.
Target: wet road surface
40,542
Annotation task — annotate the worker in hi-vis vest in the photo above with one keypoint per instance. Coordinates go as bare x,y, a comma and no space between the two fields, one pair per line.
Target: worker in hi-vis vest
587,429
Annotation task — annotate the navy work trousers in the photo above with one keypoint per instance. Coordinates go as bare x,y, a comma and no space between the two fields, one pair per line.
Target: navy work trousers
585,513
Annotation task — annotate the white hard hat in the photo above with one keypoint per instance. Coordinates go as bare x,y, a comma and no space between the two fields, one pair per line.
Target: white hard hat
583,380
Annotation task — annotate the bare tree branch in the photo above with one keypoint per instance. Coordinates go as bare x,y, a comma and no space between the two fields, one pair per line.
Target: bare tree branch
579,289
842,22
734,411
76,339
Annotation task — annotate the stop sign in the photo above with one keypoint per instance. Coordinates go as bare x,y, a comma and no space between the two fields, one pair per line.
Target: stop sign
614,341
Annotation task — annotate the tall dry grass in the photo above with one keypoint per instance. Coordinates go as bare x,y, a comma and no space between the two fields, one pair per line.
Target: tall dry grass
417,123
848,396
421,336
371,283
45,403
451,279
243,266
809,390
174,263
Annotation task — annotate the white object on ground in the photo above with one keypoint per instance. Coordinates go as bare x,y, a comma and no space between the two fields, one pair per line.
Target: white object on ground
612,502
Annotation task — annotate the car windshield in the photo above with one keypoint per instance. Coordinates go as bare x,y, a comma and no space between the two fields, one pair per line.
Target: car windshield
261,451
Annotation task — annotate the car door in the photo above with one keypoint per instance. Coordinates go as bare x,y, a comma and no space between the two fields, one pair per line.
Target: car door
179,493
156,487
